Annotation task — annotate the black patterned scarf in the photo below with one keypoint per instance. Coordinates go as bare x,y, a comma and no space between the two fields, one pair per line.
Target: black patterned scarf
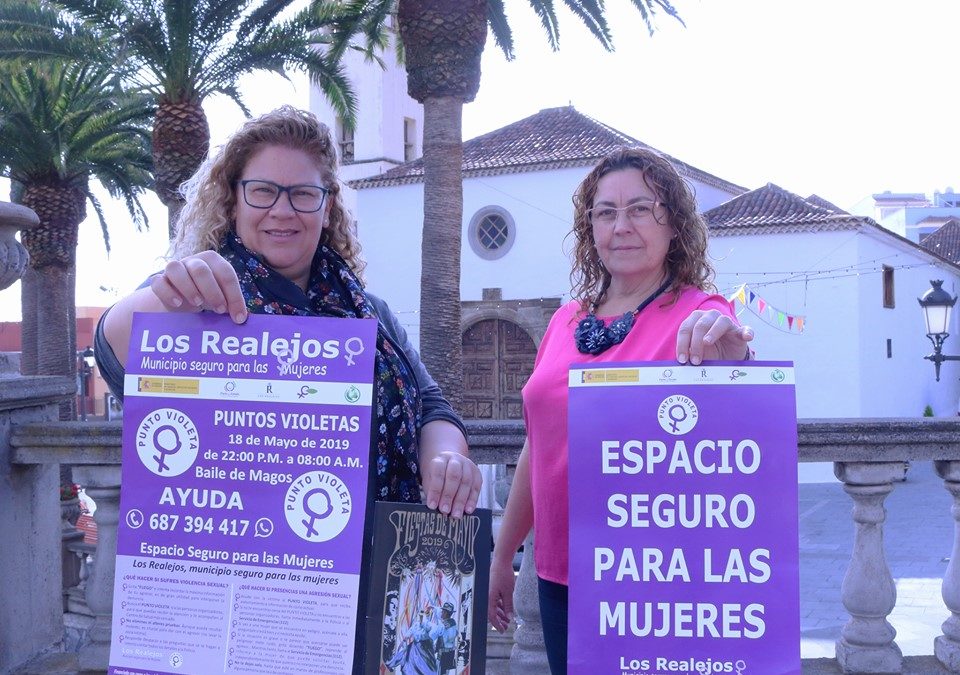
334,290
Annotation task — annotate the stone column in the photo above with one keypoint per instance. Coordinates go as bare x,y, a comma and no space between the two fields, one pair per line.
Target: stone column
13,256
947,646
31,576
102,483
866,643
529,654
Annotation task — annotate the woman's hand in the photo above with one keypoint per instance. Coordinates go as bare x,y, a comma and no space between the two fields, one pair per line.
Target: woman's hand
201,281
712,334
500,600
451,481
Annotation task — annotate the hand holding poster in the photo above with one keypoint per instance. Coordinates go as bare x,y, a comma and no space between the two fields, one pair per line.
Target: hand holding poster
683,519
245,470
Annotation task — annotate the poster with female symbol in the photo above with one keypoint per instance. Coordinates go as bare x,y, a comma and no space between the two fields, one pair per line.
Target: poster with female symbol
244,495
684,553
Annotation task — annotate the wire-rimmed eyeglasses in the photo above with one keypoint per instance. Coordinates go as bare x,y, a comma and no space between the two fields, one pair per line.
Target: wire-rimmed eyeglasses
638,213
263,194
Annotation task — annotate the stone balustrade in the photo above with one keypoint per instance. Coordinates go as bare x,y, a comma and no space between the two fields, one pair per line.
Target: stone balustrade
93,449
868,457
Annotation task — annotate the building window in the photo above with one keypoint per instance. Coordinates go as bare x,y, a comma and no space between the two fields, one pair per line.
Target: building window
409,139
889,348
888,287
345,141
491,232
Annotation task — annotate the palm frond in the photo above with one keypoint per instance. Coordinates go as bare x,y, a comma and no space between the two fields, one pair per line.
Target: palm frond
98,209
590,13
64,123
261,18
500,27
548,19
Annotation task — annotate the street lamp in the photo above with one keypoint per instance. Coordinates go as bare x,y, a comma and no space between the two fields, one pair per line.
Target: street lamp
937,306
86,362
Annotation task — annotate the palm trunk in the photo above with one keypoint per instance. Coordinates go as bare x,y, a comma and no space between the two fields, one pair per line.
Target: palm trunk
440,341
181,139
443,42
173,212
49,288
28,322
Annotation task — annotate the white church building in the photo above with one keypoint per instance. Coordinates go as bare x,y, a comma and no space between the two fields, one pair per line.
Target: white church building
833,292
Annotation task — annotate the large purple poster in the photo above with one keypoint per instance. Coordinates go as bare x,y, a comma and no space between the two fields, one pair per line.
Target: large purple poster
245,470
684,554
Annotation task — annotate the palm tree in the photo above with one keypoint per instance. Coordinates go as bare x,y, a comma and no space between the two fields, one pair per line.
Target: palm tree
443,42
180,52
61,125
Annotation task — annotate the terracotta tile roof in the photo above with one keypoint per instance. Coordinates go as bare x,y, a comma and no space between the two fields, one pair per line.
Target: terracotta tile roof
945,242
554,138
771,209
936,220
817,200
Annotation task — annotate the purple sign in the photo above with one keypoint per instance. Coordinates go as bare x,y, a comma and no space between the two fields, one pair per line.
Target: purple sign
684,553
245,470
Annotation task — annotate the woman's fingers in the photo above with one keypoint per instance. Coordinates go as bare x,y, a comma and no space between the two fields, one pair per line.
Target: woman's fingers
175,289
500,600
202,281
452,484
711,335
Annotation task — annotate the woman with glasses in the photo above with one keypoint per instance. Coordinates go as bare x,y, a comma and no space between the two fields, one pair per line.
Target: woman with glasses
264,230
641,292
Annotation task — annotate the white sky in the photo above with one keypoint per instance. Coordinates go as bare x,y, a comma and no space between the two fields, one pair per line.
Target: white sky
843,98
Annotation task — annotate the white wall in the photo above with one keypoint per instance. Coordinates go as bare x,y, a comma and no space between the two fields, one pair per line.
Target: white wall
903,384
841,361
382,105
390,225
826,353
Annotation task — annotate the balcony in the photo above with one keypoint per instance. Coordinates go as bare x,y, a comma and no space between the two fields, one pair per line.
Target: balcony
869,457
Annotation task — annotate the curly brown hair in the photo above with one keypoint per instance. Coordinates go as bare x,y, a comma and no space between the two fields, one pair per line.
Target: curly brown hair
211,194
686,259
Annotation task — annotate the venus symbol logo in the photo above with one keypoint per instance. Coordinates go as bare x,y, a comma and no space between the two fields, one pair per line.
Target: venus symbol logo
167,442
677,414
317,506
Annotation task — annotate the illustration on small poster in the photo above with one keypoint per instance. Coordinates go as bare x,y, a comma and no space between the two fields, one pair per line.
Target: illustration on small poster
684,552
429,582
244,492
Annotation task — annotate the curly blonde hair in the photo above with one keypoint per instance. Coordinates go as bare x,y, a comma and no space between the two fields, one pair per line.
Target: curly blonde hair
211,195
686,260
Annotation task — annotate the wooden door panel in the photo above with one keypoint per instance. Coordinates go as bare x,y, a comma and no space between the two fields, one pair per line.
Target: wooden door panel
498,358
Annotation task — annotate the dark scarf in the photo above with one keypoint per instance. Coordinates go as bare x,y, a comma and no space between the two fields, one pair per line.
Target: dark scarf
334,290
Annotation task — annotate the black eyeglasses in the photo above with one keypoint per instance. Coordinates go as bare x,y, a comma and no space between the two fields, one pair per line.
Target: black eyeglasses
263,194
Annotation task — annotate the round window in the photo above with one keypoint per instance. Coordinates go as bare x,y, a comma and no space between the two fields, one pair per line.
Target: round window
492,232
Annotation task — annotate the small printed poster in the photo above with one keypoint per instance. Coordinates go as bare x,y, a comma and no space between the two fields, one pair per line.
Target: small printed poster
244,494
428,600
684,553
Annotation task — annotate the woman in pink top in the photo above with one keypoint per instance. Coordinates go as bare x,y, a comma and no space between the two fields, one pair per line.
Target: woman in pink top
641,289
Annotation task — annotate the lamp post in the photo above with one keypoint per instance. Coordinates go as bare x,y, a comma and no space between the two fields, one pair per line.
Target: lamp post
86,363
937,307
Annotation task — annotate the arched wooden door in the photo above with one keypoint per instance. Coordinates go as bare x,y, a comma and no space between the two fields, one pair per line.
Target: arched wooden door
498,358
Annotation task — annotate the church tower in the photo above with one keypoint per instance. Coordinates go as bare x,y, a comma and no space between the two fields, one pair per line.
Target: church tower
389,126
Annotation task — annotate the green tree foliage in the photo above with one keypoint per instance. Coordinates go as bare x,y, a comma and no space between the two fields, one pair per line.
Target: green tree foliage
179,52
61,126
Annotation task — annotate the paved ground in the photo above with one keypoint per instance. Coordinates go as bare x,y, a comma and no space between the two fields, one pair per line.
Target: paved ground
918,538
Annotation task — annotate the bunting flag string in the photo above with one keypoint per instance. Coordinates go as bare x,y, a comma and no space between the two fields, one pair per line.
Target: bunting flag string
768,313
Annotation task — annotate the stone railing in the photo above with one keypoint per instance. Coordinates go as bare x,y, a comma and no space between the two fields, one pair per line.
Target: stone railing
868,457
93,449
